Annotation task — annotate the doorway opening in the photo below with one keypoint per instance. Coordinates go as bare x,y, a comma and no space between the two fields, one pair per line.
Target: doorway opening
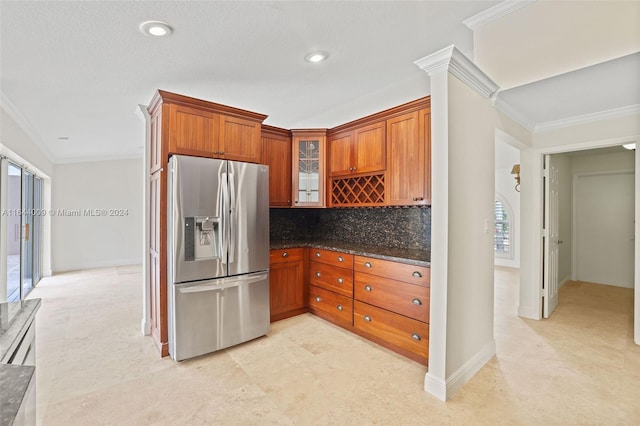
589,226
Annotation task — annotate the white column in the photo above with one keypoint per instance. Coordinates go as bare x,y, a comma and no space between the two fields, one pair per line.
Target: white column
146,297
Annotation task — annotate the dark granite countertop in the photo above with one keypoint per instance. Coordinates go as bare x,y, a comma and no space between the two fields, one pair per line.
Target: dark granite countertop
418,257
15,319
14,384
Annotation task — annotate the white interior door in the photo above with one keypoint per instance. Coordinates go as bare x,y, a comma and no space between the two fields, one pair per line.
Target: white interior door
551,236
604,224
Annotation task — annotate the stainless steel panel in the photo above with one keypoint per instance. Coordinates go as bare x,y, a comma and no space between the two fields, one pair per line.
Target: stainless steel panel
249,218
196,218
211,315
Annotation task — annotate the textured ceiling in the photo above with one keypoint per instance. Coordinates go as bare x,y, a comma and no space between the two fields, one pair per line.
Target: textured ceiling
79,70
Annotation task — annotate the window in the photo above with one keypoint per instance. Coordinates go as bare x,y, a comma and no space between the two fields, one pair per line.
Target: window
502,246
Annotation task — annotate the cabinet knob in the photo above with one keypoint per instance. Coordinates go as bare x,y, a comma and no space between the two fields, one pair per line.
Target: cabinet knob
296,201
418,198
318,298
350,169
339,307
417,302
317,274
417,274
340,259
289,201
355,168
317,253
416,337
367,318
367,287
367,264
216,152
221,152
340,280
285,254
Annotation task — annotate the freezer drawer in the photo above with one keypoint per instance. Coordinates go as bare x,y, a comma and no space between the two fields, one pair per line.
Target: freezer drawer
211,315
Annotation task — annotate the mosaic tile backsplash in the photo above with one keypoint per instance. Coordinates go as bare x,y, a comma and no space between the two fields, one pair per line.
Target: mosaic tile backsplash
390,227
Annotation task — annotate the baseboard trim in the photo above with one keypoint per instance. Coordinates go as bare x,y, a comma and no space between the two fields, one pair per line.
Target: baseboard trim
563,282
470,368
435,386
97,264
443,390
528,312
145,327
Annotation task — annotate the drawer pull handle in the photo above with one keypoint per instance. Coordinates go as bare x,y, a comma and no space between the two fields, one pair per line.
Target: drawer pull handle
367,264
340,280
339,307
417,274
318,298
367,318
317,274
340,259
317,254
367,287
416,337
417,302
285,254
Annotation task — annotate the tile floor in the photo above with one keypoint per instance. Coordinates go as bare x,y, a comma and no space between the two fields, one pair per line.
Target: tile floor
94,367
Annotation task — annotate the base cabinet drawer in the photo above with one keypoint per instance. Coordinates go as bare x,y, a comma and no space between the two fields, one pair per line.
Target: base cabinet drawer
286,255
331,278
336,258
331,306
418,275
397,332
396,296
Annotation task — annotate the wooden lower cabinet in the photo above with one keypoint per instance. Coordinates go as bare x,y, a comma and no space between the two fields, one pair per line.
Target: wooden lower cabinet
286,283
331,306
401,334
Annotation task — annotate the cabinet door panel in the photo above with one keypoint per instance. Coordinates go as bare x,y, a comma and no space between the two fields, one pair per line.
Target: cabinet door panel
286,287
239,139
369,149
192,131
340,159
276,153
405,181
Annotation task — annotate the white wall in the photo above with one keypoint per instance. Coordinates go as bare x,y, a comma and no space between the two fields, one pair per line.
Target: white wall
598,165
97,241
506,157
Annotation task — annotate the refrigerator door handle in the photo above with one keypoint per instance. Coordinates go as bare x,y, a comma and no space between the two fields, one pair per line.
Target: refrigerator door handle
232,212
225,216
227,283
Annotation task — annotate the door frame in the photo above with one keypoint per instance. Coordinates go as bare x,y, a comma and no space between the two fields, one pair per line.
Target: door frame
538,194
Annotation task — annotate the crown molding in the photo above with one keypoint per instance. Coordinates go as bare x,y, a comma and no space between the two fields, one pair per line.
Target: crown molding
513,114
99,159
452,60
26,127
496,12
587,118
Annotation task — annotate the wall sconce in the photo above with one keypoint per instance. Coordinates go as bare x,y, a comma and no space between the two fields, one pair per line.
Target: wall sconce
516,171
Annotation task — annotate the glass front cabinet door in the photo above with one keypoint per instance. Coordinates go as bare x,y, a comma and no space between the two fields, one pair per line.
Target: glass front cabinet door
308,168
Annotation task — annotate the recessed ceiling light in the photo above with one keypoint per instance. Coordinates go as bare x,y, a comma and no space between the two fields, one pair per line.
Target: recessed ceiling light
63,138
629,145
318,56
156,28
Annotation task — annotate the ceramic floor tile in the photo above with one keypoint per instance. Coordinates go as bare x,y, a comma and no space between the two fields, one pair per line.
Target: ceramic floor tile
93,366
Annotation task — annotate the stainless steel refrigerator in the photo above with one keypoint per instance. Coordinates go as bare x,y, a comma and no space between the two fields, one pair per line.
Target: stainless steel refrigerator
218,260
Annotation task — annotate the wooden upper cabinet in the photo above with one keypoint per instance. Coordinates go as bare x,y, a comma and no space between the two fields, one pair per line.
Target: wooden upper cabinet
369,148
239,139
359,150
340,159
408,159
192,130
276,153
195,127
308,167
